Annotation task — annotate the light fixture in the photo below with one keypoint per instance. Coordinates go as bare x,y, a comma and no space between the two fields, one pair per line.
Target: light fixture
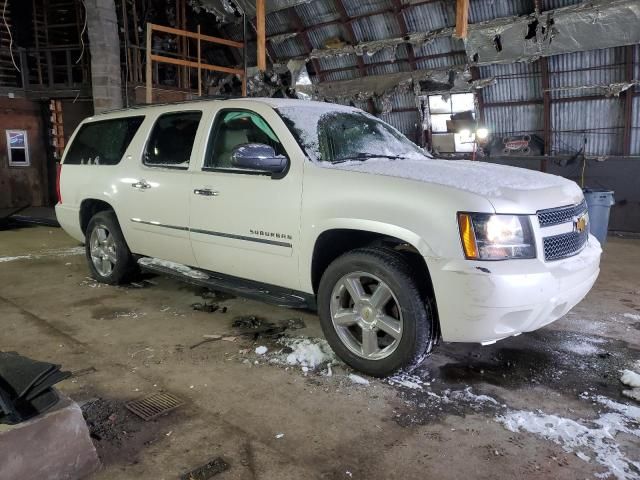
465,132
482,133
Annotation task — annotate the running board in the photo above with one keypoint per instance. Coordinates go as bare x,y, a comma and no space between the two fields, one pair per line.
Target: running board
262,292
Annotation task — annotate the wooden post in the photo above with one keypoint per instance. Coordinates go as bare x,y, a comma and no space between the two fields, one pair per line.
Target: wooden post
149,74
462,18
199,66
261,34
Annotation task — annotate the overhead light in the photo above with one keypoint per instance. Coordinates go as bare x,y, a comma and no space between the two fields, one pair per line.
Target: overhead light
482,133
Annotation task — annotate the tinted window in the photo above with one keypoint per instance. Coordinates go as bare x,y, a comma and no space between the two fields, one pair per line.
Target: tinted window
235,128
103,142
171,140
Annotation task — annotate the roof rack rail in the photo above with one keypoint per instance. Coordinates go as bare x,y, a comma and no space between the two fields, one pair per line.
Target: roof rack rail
178,102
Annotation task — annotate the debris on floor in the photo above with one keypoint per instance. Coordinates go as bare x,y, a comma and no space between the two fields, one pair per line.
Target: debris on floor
357,379
305,352
26,387
207,307
259,327
153,406
206,471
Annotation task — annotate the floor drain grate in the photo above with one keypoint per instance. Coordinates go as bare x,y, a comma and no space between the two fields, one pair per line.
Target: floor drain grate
154,405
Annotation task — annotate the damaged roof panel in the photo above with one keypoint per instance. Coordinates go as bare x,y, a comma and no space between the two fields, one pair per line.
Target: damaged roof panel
319,36
587,26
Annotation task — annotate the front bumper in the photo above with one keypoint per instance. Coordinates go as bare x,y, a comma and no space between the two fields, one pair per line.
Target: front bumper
487,301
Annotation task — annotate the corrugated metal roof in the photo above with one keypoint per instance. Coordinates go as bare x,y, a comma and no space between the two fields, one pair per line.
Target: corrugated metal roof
438,46
318,36
314,13
429,16
278,22
483,10
596,67
407,122
514,82
376,27
600,121
516,119
356,8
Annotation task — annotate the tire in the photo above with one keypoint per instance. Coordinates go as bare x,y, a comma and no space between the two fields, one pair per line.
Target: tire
404,326
105,244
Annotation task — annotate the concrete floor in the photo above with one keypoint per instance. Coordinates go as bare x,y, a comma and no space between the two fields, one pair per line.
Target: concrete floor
434,424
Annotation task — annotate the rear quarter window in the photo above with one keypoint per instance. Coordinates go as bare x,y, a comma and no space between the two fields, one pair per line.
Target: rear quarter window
103,142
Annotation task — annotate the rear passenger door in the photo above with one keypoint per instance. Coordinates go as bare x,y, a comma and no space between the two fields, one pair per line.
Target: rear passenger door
156,191
245,222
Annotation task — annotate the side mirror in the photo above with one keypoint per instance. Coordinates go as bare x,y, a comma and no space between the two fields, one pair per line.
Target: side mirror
257,156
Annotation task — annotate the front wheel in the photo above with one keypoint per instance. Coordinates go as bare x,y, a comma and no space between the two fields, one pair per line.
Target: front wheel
372,312
108,255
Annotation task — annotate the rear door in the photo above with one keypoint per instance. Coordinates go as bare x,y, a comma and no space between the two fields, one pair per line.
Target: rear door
156,192
246,223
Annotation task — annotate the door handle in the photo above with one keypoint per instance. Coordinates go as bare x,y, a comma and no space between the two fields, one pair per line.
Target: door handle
141,184
206,192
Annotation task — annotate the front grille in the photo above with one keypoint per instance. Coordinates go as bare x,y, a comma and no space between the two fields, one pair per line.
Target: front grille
556,216
564,245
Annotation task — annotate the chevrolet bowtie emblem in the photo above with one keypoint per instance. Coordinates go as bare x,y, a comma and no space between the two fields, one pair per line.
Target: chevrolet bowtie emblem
580,224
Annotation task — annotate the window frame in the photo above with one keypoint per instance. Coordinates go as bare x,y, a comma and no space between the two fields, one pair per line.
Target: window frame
150,133
74,138
12,163
213,134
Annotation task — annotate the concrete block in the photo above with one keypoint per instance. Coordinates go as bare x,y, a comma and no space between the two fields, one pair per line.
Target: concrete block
55,446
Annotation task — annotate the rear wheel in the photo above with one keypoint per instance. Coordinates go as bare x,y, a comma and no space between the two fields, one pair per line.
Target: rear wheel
372,312
108,255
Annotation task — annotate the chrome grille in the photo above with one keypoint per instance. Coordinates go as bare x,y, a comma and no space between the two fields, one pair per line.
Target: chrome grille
564,245
556,216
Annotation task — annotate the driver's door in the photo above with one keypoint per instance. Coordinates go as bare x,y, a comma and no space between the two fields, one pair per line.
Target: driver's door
245,222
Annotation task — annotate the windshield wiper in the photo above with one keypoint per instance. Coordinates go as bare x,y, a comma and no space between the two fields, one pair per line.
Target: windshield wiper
365,156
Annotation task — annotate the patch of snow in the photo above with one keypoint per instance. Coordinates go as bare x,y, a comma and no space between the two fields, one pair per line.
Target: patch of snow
631,316
261,350
405,380
630,378
306,352
178,267
482,178
580,347
54,252
596,436
358,379
633,394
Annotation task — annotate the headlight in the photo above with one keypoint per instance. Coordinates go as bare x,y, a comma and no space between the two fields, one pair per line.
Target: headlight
496,237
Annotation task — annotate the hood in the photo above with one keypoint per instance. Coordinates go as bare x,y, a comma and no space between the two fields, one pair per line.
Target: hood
509,189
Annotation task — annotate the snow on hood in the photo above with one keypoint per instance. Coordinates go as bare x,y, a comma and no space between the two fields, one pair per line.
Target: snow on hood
487,179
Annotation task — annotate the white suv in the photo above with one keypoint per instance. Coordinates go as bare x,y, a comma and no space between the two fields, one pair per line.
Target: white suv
309,204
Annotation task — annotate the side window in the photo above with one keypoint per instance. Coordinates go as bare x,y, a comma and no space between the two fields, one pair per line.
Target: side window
103,142
234,128
171,140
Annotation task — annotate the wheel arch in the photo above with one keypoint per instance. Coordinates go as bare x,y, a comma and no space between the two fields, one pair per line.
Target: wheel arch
89,207
340,238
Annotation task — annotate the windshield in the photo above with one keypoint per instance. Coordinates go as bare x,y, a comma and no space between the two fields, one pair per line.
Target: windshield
341,135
